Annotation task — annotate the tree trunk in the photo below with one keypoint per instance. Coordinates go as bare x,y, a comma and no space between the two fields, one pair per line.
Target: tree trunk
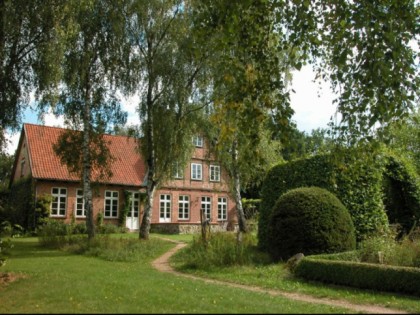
87,169
237,192
147,215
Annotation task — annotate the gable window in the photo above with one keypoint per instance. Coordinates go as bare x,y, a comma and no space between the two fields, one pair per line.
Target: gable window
222,208
59,201
178,171
184,207
80,204
111,204
214,173
206,207
165,208
198,141
22,167
196,171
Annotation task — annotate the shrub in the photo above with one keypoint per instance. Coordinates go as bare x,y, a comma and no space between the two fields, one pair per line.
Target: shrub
222,250
355,181
310,220
53,233
384,249
401,188
360,275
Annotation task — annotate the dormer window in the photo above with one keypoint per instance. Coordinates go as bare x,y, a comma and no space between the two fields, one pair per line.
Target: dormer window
198,141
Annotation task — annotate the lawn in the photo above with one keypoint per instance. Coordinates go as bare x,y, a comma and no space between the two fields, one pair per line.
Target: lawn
55,281
276,276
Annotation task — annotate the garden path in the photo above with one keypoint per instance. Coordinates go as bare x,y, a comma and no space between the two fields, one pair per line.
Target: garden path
162,264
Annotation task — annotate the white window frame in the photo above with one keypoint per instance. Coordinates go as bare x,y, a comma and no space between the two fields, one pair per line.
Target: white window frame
165,208
214,171
206,207
113,201
178,172
56,199
222,209
134,204
184,207
198,141
196,171
79,204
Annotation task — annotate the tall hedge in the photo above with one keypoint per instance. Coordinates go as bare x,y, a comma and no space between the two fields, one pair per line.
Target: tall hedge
401,186
354,177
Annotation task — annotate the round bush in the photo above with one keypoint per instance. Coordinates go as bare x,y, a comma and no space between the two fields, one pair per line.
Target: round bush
309,220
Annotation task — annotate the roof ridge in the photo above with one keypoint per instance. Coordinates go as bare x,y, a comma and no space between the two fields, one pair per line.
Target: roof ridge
64,128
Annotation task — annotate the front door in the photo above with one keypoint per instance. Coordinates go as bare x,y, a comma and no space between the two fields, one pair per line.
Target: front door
132,221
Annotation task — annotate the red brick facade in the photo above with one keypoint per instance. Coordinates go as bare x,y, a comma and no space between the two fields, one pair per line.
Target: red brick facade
177,205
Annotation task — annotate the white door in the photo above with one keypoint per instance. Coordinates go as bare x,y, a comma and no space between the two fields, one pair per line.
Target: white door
132,221
165,208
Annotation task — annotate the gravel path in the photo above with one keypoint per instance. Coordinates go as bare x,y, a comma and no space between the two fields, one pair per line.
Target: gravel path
162,264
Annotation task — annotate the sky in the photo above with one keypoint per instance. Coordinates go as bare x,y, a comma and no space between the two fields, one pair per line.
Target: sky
312,103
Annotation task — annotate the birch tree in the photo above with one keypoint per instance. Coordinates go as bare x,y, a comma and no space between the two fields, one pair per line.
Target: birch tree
87,98
163,71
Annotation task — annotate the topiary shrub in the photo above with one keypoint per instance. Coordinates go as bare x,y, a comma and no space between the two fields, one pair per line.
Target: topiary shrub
309,220
354,176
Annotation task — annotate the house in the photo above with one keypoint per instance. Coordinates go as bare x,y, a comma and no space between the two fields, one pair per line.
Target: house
201,187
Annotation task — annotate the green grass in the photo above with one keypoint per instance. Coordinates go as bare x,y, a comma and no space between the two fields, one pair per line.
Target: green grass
276,276
60,282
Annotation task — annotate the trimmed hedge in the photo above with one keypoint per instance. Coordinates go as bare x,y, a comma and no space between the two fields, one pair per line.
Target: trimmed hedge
355,181
401,187
309,220
360,275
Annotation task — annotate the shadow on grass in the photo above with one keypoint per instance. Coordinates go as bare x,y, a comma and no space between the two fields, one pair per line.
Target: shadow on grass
30,248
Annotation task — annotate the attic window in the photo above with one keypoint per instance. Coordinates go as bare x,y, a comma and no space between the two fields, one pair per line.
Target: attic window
22,167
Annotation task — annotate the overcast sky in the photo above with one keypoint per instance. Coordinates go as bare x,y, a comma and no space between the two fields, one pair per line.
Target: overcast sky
312,103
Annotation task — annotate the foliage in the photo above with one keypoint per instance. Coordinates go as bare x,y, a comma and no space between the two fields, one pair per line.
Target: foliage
42,207
401,186
221,250
162,69
309,220
360,275
356,182
403,138
21,208
6,165
115,249
57,234
5,246
366,54
125,208
29,53
300,144
385,249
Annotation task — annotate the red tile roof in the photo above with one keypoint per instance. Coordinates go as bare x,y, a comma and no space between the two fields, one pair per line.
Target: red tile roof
127,167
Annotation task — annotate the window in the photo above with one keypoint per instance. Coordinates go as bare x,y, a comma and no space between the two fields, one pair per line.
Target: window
133,205
198,141
111,204
59,200
221,208
165,208
196,171
80,204
184,207
206,207
22,167
214,173
178,171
